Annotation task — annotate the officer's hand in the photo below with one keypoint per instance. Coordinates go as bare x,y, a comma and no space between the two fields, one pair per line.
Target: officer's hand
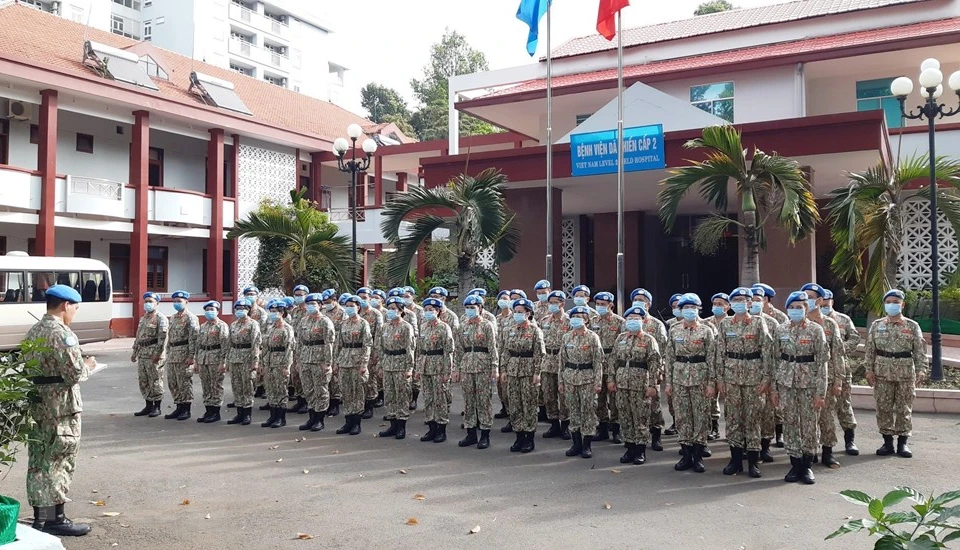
156,358
503,378
559,388
720,388
285,372
837,389
363,372
871,379
818,403
416,376
444,379
775,399
763,389
335,370
669,390
90,362
409,375
255,368
455,377
191,362
611,387
709,392
222,369
536,379
651,392
596,390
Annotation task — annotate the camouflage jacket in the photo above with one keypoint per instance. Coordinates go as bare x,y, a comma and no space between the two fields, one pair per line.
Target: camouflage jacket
374,320
245,332
151,337
476,333
895,350
182,337
637,359
297,314
214,335
581,347
737,339
276,350
608,327
315,340
691,356
354,343
259,315
554,326
540,310
336,315
450,318
523,350
435,349
655,327
801,357
848,332
780,316
837,364
63,359
715,321
394,337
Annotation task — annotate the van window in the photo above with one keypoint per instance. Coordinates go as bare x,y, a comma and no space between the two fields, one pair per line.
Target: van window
11,286
69,278
40,281
94,286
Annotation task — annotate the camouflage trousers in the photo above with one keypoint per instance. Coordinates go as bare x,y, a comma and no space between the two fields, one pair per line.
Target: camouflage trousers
295,381
656,411
241,383
316,385
435,406
715,407
51,459
477,399
845,406
801,429
502,393
335,391
770,416
742,408
828,428
607,402
211,383
180,382
275,383
894,406
523,403
375,383
582,406
692,414
352,389
396,394
552,398
634,407
150,376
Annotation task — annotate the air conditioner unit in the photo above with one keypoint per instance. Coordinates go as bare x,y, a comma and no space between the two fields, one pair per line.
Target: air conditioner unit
19,110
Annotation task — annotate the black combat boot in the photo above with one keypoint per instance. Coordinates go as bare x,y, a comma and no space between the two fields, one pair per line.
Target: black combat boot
378,402
58,525
355,427
765,451
471,438
577,445
641,452
507,429
247,413
484,439
231,405
185,413
265,407
503,412
714,429
281,419
318,425
155,411
629,455
528,442
413,399
698,465
148,406
302,408
296,404
431,433
273,416
367,409
753,461
794,474
615,433
347,424
686,462
206,413
401,429
672,430
554,431
517,443
806,474
334,408
902,450
736,461
826,457
887,448
175,413
656,443
602,433
586,452
565,428
214,415
239,416
849,446
259,392
705,451
391,431
441,433
542,414
778,431
309,423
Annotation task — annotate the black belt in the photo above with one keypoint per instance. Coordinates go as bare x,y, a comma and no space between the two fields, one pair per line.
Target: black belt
242,346
524,354
607,350
636,364
579,366
895,354
314,342
743,356
477,349
553,351
180,343
44,380
691,359
208,348
276,350
395,352
149,342
432,352
797,358
348,345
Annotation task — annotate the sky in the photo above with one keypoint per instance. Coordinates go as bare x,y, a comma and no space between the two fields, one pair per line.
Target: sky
388,41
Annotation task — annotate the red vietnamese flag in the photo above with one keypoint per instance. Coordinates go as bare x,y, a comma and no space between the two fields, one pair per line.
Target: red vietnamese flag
607,17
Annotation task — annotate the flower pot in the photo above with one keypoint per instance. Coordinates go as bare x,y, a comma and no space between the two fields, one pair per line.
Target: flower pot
9,512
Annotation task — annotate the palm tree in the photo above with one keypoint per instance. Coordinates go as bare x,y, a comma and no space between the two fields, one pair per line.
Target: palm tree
867,216
475,211
308,237
768,185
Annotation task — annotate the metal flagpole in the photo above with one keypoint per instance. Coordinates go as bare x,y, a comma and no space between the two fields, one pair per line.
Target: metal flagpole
549,259
620,262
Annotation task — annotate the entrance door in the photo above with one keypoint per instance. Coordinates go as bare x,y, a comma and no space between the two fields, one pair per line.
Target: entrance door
683,269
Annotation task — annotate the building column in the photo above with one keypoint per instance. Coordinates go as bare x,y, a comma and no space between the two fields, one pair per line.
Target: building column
528,266
139,179
296,167
361,190
215,191
47,166
378,181
235,249
402,182
315,193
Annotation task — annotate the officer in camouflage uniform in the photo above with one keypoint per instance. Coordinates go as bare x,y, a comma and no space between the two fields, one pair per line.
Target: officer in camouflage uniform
212,347
581,360
487,316
896,360
294,316
258,314
521,359
352,351
690,361
800,379
668,324
608,325
373,388
675,309
476,368
435,349
771,425
642,299
554,325
397,343
243,358
276,359
541,306
836,372
448,317
334,312
504,321
745,361
851,339
314,349
181,355
55,438
416,311
581,298
149,352
720,307
636,356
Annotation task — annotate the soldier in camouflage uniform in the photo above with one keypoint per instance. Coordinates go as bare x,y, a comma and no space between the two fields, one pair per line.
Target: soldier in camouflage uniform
181,355
397,343
373,389
314,349
720,307
637,359
641,298
896,360
690,360
836,372
504,320
149,352
212,346
258,314
554,325
487,316
334,312
416,311
276,359
851,339
520,360
608,326
668,324
744,361
771,426
476,368
581,360
435,349
55,438
541,307
243,358
800,379
448,317
675,309
294,316
352,352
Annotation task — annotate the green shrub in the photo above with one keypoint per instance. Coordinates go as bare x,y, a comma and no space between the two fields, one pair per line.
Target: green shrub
929,523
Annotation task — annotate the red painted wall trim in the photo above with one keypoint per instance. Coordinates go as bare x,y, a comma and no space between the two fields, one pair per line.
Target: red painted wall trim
315,176
296,166
139,174
922,129
402,182
47,166
377,181
215,190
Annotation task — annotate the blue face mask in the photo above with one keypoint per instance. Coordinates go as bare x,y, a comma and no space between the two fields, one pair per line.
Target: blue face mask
633,325
273,317
519,317
350,311
795,315
739,307
504,304
603,310
240,313
580,301
391,314
250,300
210,315
811,304
471,312
640,304
676,312
312,309
408,301
719,311
756,308
543,297
149,307
689,314
299,299
430,315
328,306
893,309
179,306
576,323
364,303
554,308
375,303
826,310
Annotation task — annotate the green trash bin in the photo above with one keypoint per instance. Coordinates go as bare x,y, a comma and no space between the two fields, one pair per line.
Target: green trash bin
9,512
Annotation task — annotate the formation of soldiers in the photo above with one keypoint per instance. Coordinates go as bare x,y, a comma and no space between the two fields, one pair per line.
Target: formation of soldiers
589,373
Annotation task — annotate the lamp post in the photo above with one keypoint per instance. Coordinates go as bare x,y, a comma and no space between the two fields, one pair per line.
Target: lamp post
931,82
352,166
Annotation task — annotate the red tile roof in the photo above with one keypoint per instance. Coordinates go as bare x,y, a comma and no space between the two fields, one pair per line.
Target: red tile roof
46,41
720,22
731,57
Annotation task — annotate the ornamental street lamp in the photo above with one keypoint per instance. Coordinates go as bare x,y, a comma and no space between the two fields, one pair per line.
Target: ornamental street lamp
931,82
352,166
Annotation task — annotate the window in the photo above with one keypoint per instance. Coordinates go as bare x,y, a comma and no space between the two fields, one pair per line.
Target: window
155,170
716,99
81,249
120,266
35,134
148,30
875,94
240,37
39,281
125,27
76,14
227,271
147,3
94,286
11,286
4,140
241,70
582,118
133,4
152,68
276,80
84,143
160,20
42,6
157,268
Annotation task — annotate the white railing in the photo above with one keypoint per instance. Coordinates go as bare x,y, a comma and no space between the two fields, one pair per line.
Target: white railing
96,187
343,214
258,20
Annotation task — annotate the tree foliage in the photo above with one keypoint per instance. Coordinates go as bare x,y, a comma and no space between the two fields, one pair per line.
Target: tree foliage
386,105
929,522
714,6
17,392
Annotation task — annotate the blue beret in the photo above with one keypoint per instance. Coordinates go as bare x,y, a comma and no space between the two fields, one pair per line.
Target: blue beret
482,292
151,295
722,295
180,294
473,300
757,291
364,290
767,290
433,302
298,288
524,303
212,303
289,302
827,294
542,284
503,293
741,291
813,287
410,289
675,297
327,294
251,288
635,311
378,292
439,290
347,298
581,288
343,298
394,292
606,296
641,292
579,310
241,303
796,296
557,294
315,297
690,299
276,303
65,292
398,301
519,293
895,292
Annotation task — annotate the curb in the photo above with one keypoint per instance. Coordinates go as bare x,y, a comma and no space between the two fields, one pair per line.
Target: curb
927,400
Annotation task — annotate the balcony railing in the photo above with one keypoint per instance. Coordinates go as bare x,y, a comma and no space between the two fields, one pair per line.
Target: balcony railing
96,187
344,214
259,21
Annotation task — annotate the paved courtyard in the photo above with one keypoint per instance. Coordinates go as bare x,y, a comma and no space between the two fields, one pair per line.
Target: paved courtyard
188,486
